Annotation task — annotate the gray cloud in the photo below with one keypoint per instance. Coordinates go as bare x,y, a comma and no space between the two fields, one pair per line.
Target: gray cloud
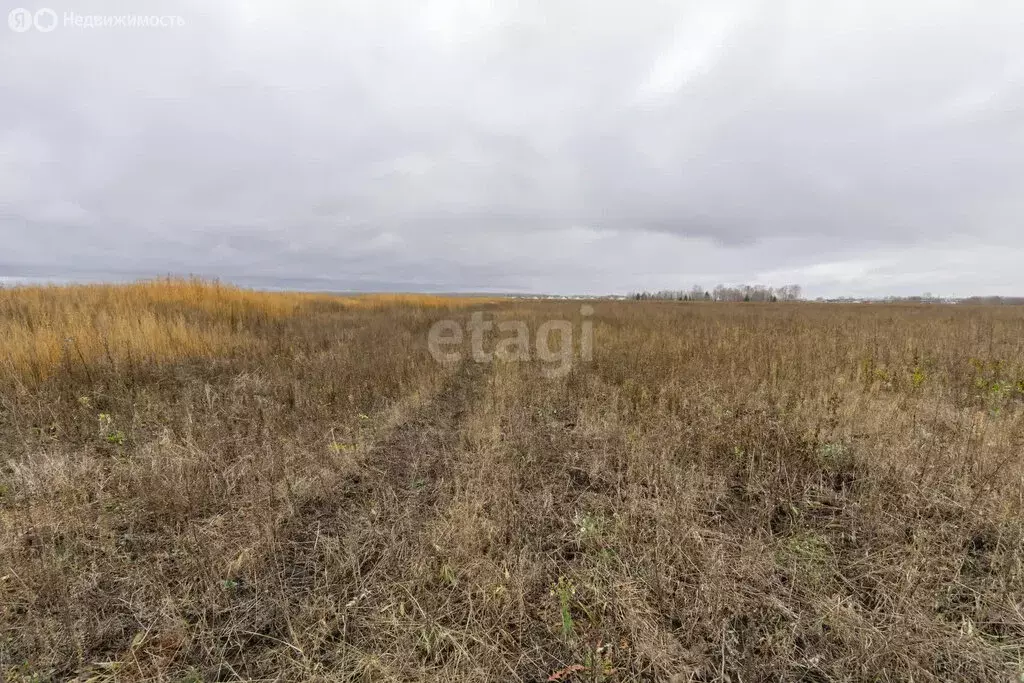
867,148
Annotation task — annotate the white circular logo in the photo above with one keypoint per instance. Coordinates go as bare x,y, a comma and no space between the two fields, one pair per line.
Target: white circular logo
45,20
20,20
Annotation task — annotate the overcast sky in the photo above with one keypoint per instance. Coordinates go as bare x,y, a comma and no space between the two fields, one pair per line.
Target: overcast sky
864,148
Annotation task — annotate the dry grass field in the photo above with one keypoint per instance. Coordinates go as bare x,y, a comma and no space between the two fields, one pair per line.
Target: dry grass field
201,483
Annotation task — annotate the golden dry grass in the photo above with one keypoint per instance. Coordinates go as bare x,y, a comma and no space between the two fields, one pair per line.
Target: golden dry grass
43,328
726,492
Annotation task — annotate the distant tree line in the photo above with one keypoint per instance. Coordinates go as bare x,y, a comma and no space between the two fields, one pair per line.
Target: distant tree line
928,298
976,300
994,300
724,293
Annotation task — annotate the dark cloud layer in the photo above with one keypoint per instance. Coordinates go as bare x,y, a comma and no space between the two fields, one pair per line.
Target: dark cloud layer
862,148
